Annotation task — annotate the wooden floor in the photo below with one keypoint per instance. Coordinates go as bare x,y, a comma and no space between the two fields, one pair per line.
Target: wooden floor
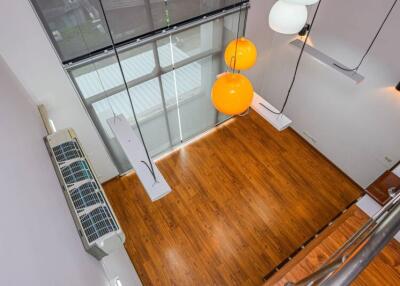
244,197
383,270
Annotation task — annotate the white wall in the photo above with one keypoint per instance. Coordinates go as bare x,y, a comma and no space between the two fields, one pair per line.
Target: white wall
355,126
30,55
39,242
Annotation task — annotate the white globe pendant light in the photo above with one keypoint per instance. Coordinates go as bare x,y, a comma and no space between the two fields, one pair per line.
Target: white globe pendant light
287,18
302,2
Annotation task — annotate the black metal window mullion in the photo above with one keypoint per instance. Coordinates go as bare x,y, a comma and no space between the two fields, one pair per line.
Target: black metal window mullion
158,69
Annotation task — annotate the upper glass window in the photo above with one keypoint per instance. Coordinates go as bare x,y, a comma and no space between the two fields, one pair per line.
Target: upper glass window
77,27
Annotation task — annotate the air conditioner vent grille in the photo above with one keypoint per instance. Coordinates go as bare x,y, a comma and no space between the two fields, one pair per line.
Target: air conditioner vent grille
67,151
98,223
86,195
76,172
93,216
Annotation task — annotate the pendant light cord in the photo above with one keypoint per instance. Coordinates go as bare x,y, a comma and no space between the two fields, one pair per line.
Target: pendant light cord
237,40
372,43
148,164
235,58
297,65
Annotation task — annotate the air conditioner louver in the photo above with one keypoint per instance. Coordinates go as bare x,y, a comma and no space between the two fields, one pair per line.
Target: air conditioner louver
98,228
86,195
76,172
98,223
67,151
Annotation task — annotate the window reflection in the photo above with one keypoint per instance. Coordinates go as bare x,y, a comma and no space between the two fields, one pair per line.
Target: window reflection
77,27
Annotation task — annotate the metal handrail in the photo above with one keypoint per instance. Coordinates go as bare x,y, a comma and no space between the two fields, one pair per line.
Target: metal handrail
321,273
354,255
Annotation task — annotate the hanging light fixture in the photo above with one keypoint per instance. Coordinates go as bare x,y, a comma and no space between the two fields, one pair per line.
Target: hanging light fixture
232,93
240,54
307,34
287,18
302,2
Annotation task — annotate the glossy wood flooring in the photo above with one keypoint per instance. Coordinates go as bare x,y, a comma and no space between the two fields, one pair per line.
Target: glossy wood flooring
383,270
244,197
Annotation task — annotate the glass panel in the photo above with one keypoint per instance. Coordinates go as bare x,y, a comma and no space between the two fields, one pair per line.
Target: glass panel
197,41
105,75
105,109
147,102
172,102
149,109
77,27
98,77
197,57
138,62
103,83
132,18
148,106
194,81
182,10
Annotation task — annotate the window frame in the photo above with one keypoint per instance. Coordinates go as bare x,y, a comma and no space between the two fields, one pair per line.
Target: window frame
156,73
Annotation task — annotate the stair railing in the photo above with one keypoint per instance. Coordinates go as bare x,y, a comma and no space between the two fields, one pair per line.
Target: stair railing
357,252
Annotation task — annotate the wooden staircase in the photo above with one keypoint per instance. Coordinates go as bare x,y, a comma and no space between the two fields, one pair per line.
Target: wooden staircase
383,270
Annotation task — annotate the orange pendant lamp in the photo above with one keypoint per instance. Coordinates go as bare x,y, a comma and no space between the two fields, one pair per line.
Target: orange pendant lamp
240,54
232,93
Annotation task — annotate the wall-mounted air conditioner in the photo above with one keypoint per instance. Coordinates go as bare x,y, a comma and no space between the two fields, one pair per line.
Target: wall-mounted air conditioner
97,225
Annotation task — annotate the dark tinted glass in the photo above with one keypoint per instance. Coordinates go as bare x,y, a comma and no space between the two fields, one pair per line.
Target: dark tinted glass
77,27
182,10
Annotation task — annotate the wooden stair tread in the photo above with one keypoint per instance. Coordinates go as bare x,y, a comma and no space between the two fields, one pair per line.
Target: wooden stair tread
378,190
383,270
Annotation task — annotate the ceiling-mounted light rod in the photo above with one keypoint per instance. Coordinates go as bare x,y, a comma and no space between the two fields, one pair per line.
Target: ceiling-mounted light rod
329,61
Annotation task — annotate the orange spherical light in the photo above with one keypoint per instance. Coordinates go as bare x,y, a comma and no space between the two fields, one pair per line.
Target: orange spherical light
232,93
245,51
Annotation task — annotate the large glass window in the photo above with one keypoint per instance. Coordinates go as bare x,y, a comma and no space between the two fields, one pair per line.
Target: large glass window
170,81
169,72
77,27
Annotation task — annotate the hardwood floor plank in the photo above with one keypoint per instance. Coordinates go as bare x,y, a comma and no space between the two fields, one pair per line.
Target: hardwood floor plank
245,196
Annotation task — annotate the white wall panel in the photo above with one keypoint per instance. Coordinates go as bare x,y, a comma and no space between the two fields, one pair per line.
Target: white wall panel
355,126
40,244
